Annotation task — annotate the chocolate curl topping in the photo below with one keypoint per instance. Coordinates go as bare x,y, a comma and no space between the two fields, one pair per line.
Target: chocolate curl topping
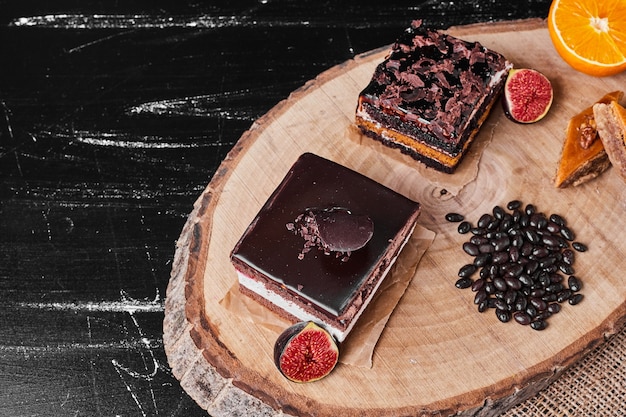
333,230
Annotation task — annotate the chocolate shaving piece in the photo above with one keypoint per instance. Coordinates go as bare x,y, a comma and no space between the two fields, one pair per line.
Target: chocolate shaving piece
424,70
341,231
332,230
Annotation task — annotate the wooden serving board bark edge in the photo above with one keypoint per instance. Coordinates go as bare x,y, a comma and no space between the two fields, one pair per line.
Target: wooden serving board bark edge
208,371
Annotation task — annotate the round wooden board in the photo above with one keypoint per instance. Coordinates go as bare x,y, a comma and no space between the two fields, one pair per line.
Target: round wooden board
437,355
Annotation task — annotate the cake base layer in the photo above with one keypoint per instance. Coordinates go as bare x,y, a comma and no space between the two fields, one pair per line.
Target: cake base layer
419,150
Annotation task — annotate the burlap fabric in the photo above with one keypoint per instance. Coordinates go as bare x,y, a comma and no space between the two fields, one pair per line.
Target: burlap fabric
593,387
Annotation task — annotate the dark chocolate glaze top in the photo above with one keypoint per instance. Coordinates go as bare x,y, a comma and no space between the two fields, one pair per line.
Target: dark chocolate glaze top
436,79
325,280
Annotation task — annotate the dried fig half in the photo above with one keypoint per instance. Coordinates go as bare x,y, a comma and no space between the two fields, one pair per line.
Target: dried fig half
527,95
305,352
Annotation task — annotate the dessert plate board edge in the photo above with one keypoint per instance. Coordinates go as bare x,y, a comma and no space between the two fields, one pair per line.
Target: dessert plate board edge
437,354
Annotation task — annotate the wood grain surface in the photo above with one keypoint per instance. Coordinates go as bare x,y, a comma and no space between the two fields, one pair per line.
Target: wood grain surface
114,116
437,354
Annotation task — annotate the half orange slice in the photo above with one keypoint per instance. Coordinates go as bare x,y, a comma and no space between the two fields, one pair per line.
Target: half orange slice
590,35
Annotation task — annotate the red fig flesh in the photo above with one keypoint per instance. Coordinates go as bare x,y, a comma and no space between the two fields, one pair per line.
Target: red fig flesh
305,352
527,95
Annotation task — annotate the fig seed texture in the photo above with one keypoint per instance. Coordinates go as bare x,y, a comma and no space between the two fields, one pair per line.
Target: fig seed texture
305,352
527,95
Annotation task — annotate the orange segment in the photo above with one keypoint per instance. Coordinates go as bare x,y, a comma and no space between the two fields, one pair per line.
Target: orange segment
590,35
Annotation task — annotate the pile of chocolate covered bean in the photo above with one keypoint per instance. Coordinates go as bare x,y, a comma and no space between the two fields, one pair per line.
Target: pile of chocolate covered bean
523,263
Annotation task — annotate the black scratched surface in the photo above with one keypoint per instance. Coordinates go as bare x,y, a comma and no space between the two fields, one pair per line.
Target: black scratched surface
113,118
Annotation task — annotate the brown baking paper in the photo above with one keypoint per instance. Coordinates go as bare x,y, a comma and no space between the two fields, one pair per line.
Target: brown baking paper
358,348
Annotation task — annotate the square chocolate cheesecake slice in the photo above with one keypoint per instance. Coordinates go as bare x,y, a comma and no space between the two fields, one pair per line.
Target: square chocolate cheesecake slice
430,96
323,242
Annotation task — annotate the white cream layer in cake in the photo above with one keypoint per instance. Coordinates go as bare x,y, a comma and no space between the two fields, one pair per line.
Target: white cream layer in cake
295,310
